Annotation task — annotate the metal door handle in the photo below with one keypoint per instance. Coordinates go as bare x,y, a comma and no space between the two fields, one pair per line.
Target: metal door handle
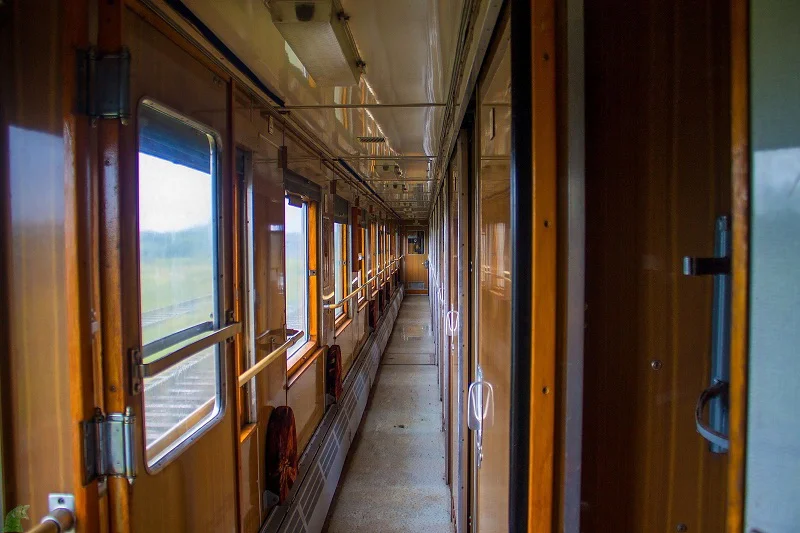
719,267
478,411
451,319
718,390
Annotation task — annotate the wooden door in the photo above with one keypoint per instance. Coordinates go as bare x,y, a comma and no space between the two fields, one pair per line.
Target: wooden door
492,285
415,245
658,179
169,236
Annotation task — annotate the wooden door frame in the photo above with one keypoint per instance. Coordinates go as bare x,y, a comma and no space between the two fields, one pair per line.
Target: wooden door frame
534,249
740,202
462,352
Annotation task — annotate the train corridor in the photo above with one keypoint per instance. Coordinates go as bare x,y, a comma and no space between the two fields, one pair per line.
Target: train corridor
393,479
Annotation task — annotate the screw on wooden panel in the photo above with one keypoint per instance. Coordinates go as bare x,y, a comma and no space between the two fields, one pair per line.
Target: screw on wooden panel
656,364
682,528
545,390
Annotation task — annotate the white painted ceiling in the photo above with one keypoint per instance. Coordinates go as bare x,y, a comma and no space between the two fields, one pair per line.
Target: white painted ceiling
408,47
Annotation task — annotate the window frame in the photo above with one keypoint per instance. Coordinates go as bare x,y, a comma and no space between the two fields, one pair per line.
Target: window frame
298,347
170,451
341,272
363,294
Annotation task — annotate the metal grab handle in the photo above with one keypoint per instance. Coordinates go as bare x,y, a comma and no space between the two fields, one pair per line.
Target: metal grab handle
477,410
474,422
714,437
451,320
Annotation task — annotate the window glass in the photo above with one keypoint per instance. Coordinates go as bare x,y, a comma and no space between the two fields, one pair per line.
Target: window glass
178,275
362,275
296,246
340,266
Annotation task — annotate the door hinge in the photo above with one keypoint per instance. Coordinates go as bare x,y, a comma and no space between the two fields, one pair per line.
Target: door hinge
108,446
104,82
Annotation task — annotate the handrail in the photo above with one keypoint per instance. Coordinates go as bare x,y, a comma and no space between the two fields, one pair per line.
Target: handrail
355,292
251,372
61,519
150,369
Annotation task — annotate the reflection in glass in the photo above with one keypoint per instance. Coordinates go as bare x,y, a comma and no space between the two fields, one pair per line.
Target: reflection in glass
297,271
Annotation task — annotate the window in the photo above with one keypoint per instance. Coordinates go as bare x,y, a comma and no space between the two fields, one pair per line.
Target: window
340,267
178,282
362,275
297,289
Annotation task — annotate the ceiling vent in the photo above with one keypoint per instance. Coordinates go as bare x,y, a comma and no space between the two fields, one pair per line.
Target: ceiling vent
371,140
317,32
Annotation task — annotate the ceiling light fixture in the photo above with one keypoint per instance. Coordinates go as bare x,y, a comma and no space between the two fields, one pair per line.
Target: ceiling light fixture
318,34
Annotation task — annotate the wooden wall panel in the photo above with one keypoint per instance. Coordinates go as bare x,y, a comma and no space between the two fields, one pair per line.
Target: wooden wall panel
493,303
37,426
252,134
657,176
306,397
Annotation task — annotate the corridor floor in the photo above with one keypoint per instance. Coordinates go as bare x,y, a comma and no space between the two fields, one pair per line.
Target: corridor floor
393,480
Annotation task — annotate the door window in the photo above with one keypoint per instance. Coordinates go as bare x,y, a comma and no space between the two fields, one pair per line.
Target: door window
297,305
178,277
340,267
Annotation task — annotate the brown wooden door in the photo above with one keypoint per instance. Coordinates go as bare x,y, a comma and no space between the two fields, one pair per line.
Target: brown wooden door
169,226
414,269
658,178
491,311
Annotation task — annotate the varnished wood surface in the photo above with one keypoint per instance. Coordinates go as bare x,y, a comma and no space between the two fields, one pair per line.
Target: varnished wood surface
109,161
200,484
79,267
414,270
543,237
39,279
492,233
740,198
658,174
